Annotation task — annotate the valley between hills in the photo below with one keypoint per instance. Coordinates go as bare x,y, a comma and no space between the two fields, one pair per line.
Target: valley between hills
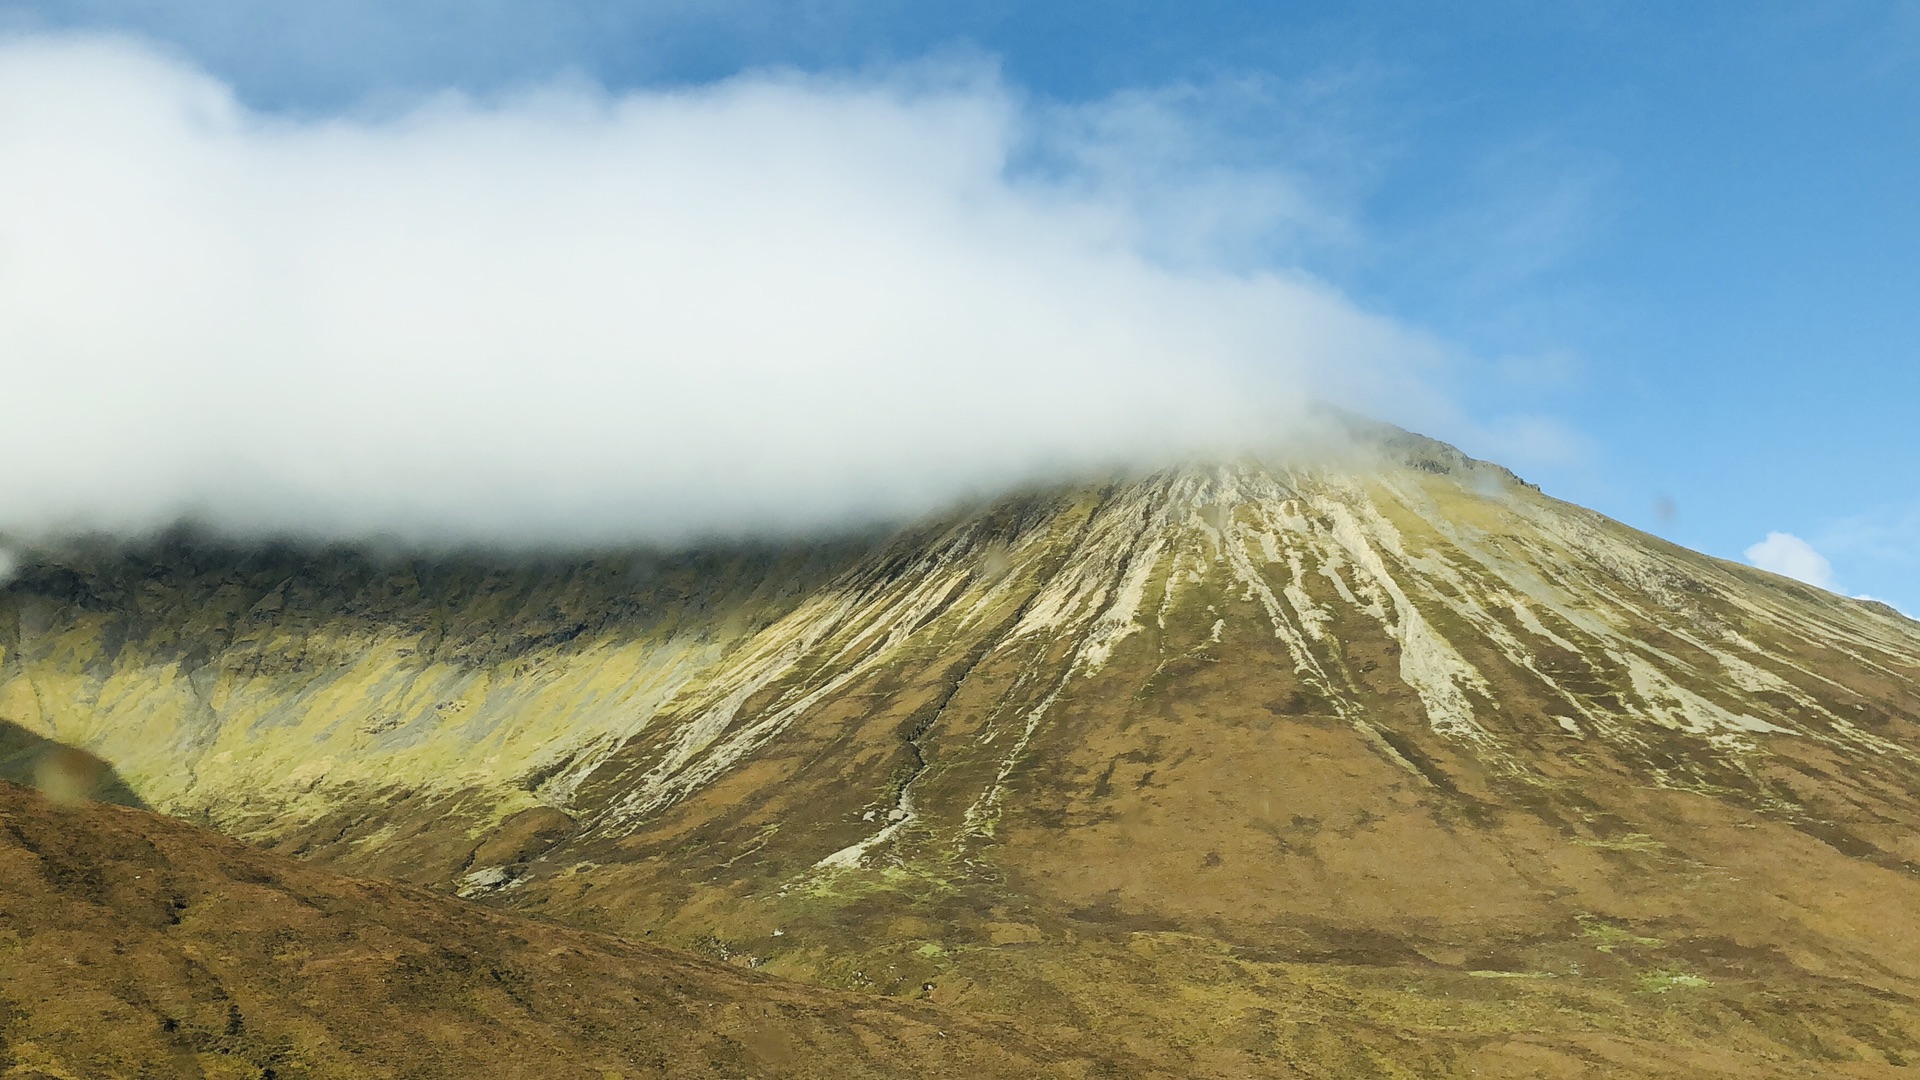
1375,764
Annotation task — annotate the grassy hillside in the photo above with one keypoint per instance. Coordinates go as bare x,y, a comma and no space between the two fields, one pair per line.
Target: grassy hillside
133,945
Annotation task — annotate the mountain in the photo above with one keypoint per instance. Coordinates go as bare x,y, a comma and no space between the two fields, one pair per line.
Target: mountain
1379,762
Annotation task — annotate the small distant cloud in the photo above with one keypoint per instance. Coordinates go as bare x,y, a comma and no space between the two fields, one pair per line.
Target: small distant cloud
1790,556
1878,552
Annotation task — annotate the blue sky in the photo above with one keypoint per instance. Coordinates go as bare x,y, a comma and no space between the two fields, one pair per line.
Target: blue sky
1668,250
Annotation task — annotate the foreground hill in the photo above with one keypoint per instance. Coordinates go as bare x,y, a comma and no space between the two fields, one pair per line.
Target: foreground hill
133,945
1384,763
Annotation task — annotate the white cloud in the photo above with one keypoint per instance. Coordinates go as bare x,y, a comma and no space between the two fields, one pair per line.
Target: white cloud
1790,556
771,302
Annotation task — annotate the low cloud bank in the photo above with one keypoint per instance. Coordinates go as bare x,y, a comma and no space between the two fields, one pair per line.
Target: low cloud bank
776,302
1789,556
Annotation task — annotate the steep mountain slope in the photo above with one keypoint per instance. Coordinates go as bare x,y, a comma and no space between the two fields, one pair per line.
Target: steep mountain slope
1381,763
265,688
135,945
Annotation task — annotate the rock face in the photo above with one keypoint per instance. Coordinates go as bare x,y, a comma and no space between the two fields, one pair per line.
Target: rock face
1385,762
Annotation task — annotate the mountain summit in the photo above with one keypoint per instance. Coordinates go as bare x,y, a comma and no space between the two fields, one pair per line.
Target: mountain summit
1369,763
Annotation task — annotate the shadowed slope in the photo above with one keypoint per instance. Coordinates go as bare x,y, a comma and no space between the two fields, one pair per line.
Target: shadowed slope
65,773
